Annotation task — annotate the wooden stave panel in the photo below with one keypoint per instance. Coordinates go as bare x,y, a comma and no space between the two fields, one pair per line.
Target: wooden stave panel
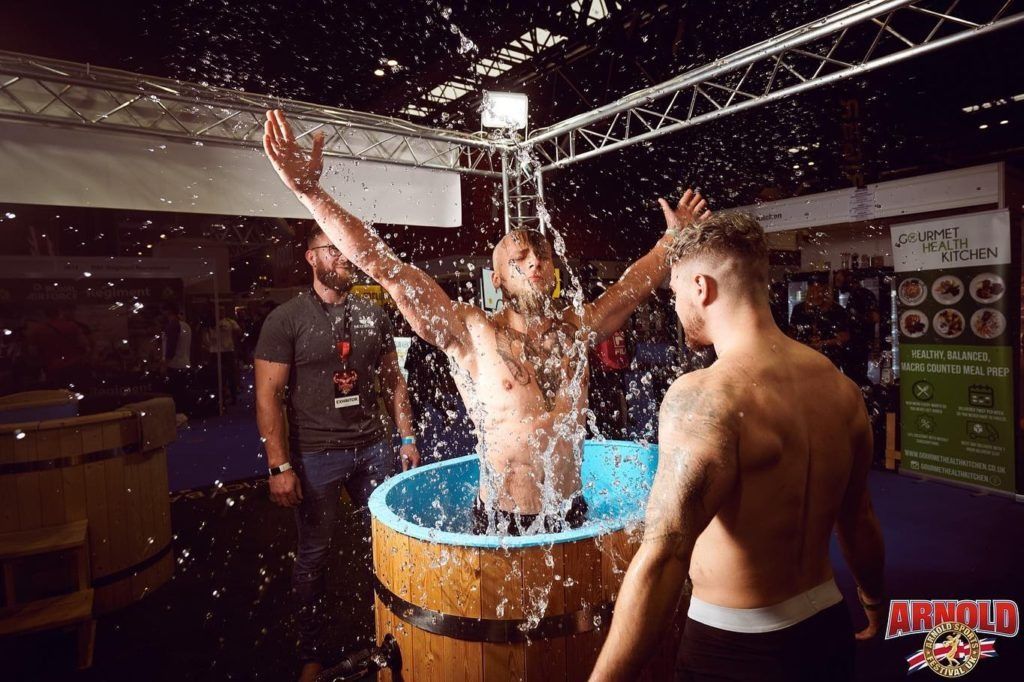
397,551
383,625
546,658
96,513
426,590
119,557
51,483
134,533
383,618
27,492
501,597
460,595
583,565
140,584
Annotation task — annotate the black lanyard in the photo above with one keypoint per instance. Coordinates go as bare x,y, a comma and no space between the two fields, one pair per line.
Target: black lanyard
343,338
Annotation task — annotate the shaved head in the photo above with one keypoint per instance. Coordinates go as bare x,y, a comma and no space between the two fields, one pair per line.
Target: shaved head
524,270
518,239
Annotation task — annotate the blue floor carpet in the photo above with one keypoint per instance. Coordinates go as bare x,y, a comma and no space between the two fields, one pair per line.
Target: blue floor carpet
225,448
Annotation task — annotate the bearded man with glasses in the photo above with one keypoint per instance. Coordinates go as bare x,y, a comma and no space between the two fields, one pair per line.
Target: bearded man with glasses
319,419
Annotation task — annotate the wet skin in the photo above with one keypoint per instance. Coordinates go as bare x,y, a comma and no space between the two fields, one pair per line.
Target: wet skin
521,372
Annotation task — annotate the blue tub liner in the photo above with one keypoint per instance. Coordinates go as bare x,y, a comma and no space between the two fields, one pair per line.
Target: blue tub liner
433,502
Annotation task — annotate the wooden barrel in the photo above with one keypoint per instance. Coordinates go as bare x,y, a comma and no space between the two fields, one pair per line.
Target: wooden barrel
494,613
109,469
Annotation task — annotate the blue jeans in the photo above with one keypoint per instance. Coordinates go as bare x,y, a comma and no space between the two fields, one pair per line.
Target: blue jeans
321,475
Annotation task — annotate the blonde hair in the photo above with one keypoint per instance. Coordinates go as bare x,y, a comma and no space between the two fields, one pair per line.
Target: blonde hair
725,235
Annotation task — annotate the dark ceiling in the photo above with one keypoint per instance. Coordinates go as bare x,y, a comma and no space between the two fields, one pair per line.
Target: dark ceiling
911,115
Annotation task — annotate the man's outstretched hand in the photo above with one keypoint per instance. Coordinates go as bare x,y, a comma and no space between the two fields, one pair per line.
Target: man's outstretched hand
299,171
691,209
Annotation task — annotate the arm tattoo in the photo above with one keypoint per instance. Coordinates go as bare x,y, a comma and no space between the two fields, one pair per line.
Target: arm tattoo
707,423
678,520
703,414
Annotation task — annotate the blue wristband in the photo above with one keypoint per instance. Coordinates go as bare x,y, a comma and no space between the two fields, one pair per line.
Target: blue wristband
409,440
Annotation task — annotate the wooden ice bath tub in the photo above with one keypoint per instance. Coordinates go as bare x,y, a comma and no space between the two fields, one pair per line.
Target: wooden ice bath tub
468,607
109,469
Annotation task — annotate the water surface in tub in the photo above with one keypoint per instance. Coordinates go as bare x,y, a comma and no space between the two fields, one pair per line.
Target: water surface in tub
433,502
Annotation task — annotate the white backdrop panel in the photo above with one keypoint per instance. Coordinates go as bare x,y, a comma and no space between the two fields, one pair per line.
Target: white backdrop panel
960,188
57,166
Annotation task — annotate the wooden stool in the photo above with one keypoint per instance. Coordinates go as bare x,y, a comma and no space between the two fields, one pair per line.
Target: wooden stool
74,608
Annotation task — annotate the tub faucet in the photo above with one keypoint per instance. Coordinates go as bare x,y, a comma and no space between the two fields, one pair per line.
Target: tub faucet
361,664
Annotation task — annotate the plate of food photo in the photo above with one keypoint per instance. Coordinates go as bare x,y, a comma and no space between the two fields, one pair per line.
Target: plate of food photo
988,287
988,323
948,323
912,291
913,323
948,289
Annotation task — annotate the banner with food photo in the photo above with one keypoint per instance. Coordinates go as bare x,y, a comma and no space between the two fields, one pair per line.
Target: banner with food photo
953,279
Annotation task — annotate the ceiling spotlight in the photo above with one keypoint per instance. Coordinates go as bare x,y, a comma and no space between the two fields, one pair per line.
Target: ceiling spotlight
810,163
504,110
1003,122
378,72
392,62
983,126
793,150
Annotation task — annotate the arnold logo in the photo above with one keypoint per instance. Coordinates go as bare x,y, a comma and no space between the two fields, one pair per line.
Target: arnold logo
952,647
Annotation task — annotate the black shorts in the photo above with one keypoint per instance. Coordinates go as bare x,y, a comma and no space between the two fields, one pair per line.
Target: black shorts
517,523
816,649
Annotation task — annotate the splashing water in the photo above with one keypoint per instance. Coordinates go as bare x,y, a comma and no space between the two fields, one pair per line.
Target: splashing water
568,426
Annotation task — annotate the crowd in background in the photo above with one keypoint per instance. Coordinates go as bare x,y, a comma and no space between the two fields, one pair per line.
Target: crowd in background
845,334
58,350
51,347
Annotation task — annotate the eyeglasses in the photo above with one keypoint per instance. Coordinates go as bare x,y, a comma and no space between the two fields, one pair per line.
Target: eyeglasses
332,250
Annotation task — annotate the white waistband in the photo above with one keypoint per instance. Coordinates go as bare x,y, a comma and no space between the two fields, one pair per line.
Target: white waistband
767,618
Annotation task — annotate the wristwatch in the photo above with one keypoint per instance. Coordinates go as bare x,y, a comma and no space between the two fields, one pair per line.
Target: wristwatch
274,471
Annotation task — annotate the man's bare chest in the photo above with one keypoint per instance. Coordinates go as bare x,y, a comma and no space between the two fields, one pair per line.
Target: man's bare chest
542,371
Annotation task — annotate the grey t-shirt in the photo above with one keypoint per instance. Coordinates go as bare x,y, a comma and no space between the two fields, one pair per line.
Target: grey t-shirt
320,396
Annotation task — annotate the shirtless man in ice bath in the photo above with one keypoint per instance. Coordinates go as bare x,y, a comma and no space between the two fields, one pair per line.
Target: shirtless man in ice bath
515,369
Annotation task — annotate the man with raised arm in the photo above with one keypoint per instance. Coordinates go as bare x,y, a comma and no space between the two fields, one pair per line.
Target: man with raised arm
521,372
761,457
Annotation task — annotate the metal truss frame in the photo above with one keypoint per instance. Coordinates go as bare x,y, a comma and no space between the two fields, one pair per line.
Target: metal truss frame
243,236
244,239
865,36
522,188
41,90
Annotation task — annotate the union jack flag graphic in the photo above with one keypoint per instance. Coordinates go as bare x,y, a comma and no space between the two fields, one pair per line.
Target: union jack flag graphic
943,652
